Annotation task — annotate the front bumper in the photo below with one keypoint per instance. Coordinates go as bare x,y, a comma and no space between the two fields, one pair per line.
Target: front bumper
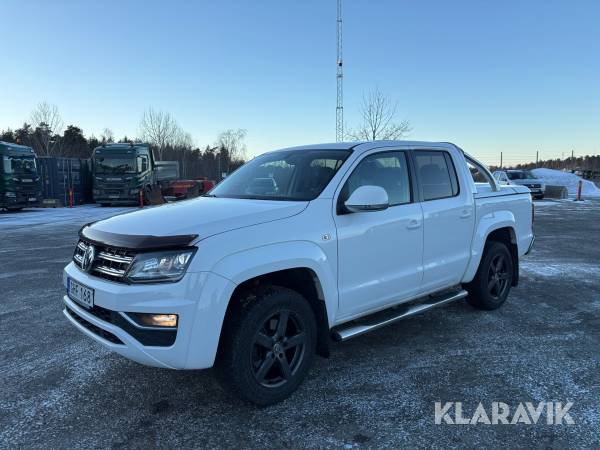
122,200
116,195
199,299
21,200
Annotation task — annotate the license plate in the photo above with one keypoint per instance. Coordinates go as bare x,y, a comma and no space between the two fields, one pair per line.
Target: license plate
80,293
32,199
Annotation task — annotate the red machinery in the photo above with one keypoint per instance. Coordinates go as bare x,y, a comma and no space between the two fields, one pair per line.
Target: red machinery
182,189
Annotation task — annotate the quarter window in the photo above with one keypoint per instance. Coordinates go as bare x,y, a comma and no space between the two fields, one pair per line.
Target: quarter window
388,170
437,176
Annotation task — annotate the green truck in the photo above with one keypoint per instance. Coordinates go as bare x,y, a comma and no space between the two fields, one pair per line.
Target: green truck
122,171
20,185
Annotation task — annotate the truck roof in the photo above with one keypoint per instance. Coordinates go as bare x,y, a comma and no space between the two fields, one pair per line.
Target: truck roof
368,145
9,147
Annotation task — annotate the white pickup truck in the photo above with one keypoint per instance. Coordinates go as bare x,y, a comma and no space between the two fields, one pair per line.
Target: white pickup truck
297,247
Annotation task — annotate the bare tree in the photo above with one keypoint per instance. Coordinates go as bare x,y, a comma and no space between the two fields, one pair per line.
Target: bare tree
183,140
159,129
48,125
233,142
378,119
107,136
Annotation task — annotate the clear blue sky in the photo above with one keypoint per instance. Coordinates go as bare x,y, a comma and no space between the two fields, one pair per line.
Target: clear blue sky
516,76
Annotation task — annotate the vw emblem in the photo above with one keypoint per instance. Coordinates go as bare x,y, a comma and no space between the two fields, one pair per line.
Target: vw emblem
88,258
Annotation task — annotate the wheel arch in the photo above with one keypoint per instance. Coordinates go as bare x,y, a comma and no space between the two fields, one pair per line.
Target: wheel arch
303,280
502,229
300,265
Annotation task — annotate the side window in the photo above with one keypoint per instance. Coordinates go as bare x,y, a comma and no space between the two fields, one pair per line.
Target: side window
388,170
142,163
437,175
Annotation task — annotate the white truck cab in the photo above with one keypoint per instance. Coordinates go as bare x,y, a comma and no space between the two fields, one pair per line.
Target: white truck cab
296,247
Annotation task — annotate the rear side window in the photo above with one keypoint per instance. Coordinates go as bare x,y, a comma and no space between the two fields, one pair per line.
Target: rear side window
437,175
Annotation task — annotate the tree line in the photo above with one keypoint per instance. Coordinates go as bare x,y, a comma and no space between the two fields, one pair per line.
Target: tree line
44,131
46,134
586,163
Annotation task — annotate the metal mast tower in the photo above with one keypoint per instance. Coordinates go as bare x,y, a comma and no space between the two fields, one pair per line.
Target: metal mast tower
339,108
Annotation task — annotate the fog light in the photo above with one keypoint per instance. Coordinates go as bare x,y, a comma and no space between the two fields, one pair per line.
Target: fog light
155,320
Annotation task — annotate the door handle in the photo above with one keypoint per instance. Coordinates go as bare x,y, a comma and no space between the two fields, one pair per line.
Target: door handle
412,224
465,213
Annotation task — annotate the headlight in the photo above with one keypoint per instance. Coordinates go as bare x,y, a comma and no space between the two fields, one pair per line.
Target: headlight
133,191
160,266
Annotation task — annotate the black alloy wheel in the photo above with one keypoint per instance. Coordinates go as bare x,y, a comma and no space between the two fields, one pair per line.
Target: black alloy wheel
498,276
278,349
492,282
267,344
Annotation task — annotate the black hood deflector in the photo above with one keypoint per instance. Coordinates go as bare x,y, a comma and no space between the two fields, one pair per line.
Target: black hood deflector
134,241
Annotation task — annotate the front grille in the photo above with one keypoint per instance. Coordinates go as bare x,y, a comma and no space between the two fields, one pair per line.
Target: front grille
109,263
93,328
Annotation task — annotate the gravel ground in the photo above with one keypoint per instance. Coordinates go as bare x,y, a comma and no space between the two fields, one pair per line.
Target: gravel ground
62,390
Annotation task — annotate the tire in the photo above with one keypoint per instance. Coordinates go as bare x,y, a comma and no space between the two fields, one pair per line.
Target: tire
256,361
493,280
14,209
104,205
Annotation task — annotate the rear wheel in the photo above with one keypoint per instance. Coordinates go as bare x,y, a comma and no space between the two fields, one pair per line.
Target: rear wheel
267,345
491,285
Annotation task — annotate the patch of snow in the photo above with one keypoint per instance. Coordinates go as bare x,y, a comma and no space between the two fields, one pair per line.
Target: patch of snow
569,180
544,269
54,216
545,203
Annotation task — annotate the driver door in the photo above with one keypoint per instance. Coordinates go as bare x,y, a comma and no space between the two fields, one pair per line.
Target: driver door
380,253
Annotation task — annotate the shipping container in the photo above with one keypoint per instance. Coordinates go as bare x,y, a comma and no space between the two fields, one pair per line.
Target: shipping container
59,176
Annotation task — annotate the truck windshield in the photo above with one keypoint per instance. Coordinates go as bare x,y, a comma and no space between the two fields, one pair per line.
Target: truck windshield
114,166
298,175
19,165
520,175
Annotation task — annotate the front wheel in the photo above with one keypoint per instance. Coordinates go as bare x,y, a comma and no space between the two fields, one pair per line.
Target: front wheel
267,345
491,285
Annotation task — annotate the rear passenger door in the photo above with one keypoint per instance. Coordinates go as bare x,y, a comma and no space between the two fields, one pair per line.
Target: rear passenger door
448,216
379,252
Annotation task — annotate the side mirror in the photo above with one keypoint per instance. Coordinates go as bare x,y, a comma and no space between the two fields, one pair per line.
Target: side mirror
368,198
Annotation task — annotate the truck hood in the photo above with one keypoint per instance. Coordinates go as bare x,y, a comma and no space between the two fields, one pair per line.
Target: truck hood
203,216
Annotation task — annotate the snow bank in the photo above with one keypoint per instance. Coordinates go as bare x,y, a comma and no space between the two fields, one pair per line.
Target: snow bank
58,216
570,180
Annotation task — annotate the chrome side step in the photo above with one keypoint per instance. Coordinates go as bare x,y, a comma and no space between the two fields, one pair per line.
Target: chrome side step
387,317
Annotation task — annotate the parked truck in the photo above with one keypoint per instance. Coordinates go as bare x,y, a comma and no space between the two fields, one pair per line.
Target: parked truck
19,180
256,277
125,172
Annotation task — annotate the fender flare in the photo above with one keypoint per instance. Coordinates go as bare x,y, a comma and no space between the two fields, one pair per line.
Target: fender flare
488,224
250,263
